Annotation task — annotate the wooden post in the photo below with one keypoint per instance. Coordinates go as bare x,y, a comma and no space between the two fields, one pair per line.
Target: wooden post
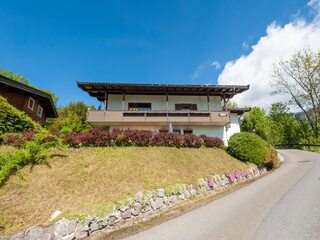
209,109
123,100
208,100
167,100
105,101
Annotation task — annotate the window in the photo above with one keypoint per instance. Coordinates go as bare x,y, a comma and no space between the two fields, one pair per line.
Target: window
176,131
163,130
39,111
186,107
31,103
139,106
187,131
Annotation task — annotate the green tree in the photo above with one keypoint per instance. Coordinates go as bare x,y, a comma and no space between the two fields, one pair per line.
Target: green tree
299,77
256,121
231,105
72,117
285,128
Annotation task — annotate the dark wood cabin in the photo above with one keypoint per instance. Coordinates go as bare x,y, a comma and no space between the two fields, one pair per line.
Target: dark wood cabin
34,102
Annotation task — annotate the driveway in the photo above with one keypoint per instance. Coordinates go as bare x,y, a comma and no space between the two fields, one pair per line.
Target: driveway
283,205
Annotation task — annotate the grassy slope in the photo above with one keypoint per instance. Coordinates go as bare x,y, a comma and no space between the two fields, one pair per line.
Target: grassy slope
87,179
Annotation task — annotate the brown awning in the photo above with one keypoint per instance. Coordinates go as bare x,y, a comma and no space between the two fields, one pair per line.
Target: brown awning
98,89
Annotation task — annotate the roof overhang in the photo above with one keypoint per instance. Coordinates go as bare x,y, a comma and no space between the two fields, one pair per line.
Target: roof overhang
239,111
99,89
45,98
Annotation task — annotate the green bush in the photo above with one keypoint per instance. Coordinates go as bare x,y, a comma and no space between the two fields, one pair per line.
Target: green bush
13,120
32,152
249,147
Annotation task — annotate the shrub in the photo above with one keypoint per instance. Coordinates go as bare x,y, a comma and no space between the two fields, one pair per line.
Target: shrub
192,141
72,139
31,153
272,160
137,137
13,139
93,137
212,141
167,139
28,135
132,137
20,139
249,147
13,120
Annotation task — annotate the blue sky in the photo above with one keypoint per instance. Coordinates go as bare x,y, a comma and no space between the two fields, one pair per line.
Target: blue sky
56,43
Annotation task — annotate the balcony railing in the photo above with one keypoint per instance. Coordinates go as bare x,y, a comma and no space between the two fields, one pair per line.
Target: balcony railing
116,117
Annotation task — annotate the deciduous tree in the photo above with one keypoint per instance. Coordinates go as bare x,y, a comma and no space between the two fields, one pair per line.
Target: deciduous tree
299,77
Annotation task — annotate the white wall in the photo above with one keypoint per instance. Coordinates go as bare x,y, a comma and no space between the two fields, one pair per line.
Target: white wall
234,125
158,102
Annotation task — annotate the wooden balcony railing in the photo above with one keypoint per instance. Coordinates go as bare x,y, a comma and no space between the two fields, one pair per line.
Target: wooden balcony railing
145,117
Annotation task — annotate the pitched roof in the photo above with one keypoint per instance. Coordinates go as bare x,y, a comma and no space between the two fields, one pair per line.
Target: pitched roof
98,89
46,98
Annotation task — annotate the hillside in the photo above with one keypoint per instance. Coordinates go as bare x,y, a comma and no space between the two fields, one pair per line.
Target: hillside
86,180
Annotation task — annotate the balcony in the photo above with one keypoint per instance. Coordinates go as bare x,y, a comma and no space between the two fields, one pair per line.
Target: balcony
144,118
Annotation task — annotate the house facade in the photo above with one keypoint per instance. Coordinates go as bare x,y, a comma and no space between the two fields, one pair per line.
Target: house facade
182,109
34,102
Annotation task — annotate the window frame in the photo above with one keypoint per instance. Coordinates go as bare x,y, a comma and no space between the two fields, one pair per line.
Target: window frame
175,131
132,108
190,131
180,106
40,115
163,130
33,103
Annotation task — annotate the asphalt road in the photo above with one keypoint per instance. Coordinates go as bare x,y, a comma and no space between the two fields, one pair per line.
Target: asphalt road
283,205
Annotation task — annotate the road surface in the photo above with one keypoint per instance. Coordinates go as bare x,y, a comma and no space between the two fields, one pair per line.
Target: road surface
283,205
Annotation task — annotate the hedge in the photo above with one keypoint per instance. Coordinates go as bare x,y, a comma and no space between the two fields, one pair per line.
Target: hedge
13,120
130,137
249,147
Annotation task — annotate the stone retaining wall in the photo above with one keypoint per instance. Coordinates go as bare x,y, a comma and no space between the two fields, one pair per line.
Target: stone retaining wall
141,208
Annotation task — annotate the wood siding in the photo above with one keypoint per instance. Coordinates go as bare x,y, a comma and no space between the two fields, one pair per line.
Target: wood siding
20,101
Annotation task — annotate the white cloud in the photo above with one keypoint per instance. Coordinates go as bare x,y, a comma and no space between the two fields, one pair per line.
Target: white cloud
197,72
280,42
216,65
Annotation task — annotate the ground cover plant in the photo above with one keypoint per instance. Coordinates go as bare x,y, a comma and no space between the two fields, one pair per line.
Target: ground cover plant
27,148
131,137
85,181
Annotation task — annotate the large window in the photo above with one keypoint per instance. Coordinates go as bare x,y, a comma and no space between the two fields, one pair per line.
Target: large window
139,106
187,131
186,107
31,103
176,131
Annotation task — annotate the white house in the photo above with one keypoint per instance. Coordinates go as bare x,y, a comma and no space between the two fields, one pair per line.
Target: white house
182,109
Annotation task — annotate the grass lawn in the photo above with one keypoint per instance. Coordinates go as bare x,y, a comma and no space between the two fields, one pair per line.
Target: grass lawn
85,181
